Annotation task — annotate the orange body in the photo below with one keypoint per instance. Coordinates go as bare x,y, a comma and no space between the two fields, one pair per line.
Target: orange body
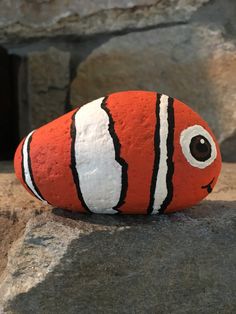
146,129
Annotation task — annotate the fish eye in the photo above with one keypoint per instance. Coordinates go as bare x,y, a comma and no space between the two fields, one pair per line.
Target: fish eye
198,146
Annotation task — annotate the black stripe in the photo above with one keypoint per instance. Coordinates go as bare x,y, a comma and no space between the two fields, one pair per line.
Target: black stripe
170,152
73,163
157,155
121,161
30,170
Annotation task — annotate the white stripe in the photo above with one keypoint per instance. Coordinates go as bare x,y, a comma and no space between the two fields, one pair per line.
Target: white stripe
161,185
99,172
28,178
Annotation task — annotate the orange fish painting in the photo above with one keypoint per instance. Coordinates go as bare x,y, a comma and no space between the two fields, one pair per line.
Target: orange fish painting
132,152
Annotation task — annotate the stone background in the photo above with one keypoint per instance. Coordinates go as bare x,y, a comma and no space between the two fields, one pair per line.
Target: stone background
63,53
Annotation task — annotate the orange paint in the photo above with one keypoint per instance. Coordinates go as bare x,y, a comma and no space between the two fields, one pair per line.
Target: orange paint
50,152
135,120
134,117
187,180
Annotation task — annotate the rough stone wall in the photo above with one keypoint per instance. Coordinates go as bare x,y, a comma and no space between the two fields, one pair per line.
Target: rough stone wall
69,52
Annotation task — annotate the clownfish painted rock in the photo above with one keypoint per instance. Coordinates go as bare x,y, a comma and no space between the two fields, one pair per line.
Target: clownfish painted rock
132,152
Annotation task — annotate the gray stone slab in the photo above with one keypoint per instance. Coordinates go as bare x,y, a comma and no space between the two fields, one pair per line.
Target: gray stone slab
68,263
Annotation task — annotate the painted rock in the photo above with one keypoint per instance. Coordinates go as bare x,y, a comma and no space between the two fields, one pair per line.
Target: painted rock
132,152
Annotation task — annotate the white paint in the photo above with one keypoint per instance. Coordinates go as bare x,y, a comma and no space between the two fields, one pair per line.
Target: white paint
161,186
185,140
28,178
99,173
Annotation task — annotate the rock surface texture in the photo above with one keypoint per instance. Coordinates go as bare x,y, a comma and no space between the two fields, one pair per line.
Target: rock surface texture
43,91
181,263
50,18
66,53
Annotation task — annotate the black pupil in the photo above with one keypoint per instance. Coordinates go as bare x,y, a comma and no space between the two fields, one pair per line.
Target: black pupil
200,148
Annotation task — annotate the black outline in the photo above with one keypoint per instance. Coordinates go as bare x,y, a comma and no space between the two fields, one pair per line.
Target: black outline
170,151
118,158
73,162
30,170
157,155
208,186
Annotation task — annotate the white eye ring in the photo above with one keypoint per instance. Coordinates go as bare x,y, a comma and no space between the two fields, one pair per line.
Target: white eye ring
185,140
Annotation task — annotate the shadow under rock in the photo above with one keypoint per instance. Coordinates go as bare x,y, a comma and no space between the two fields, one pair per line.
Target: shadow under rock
108,220
205,209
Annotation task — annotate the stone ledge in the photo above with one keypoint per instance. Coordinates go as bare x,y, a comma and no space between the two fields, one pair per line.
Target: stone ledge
181,263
